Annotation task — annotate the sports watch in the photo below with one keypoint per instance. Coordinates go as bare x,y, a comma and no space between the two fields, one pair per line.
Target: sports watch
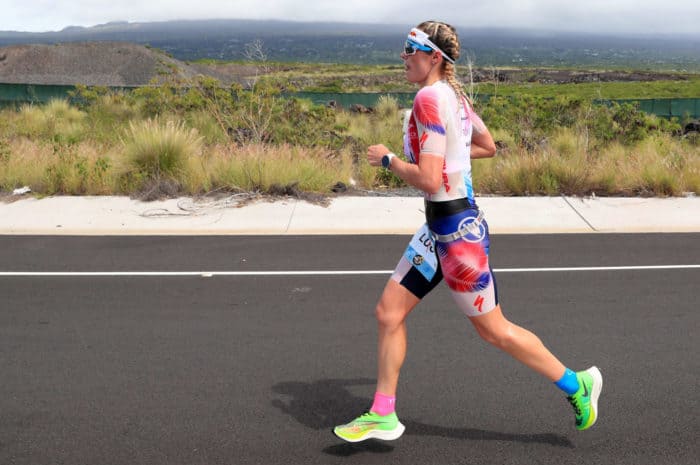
386,160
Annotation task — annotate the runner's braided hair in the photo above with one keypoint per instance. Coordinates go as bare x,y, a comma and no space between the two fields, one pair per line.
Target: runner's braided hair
445,37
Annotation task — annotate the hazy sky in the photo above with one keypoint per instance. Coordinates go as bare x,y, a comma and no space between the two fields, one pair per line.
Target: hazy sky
596,16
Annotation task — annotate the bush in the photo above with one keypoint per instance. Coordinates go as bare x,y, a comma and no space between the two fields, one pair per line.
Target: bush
383,126
107,112
299,122
630,124
532,120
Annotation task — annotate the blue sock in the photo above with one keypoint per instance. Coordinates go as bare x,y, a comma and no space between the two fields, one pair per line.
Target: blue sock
568,383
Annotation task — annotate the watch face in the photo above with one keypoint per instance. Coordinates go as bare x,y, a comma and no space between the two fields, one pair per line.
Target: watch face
385,161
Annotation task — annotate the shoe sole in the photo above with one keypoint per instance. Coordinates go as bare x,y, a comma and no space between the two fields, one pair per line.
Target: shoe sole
595,392
384,435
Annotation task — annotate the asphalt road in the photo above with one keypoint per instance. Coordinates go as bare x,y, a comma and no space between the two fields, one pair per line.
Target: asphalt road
205,368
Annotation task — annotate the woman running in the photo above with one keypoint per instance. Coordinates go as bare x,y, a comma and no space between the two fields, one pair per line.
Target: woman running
443,135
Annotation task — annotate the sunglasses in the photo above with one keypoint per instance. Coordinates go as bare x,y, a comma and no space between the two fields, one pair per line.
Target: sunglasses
419,40
411,47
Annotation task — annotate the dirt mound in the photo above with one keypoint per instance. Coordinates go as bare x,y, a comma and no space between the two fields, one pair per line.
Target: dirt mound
89,63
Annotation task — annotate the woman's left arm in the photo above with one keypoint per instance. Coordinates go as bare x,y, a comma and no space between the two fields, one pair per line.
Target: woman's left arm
426,175
482,145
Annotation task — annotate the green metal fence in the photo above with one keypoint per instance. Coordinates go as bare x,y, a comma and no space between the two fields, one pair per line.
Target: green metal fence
366,99
663,107
18,94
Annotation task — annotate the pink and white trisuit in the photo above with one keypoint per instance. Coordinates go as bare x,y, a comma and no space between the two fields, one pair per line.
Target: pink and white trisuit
454,241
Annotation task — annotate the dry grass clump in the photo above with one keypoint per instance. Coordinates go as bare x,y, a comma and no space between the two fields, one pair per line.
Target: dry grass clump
157,149
84,168
285,168
56,121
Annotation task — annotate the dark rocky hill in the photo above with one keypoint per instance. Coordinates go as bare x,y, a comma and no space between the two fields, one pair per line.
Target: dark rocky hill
90,63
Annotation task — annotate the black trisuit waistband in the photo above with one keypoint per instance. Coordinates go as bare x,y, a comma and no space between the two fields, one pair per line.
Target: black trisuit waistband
437,210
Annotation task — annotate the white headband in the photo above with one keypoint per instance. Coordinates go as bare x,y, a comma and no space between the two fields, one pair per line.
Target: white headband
421,38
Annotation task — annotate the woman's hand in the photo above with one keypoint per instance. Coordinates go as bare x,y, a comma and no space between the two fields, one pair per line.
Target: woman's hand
375,154
426,176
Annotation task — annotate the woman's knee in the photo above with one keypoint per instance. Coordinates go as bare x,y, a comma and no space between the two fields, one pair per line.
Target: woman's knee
494,329
497,336
394,305
389,316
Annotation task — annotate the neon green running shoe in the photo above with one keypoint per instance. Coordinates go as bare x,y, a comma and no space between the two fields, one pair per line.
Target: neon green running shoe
585,400
370,425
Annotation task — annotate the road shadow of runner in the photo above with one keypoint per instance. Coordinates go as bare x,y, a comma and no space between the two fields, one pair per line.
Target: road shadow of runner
323,404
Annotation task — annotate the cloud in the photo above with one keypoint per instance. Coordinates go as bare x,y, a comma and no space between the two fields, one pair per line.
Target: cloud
598,16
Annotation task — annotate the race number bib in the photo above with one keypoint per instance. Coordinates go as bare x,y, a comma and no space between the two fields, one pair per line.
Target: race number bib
421,253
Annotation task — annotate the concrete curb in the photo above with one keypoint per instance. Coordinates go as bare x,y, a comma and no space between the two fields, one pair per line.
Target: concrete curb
344,215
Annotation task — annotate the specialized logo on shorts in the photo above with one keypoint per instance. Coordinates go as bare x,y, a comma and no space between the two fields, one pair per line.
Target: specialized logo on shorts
473,231
418,260
478,302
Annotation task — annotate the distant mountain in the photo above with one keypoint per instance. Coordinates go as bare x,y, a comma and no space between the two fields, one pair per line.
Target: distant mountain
375,43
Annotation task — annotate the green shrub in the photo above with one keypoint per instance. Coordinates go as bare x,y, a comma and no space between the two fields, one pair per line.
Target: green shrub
630,123
108,112
299,122
84,96
207,126
383,126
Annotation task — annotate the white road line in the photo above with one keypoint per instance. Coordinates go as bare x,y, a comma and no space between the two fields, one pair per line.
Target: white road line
207,274
599,268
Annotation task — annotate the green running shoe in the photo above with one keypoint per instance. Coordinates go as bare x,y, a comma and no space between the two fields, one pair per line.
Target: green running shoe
371,426
585,400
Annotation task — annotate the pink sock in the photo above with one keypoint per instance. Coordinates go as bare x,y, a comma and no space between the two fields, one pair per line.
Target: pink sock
383,405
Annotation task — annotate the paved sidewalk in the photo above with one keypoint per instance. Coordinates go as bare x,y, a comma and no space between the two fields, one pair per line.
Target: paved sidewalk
344,215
